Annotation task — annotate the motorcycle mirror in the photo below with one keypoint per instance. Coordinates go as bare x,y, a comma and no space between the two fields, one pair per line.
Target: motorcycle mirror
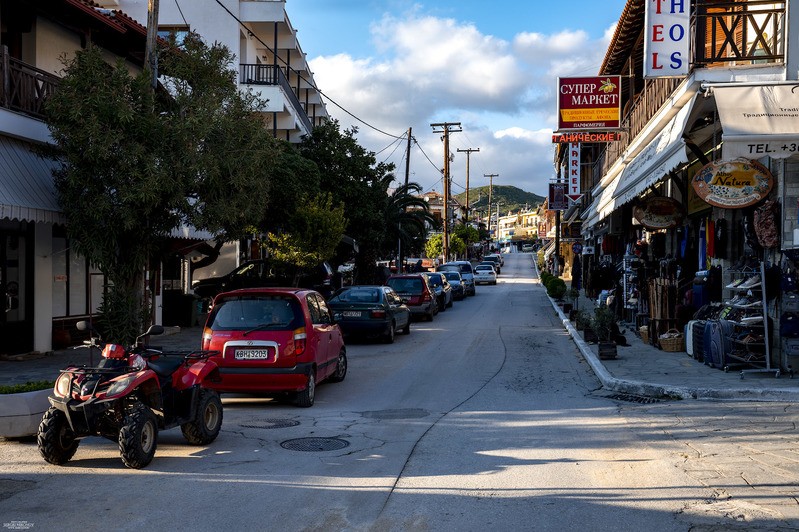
154,330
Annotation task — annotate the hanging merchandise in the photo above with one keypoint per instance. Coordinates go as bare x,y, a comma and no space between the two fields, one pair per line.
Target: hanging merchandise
702,247
710,237
658,245
749,233
766,222
720,238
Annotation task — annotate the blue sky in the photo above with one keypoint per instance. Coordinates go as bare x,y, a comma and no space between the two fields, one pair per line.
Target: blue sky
492,66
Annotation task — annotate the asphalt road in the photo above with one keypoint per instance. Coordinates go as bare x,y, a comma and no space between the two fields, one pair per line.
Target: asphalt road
485,418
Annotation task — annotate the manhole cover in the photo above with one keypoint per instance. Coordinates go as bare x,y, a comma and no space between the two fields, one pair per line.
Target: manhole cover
630,398
270,423
397,413
314,445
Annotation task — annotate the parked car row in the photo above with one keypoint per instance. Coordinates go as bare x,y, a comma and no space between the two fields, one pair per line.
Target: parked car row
285,341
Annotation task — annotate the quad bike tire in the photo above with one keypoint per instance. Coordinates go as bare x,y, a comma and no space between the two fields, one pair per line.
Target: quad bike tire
207,421
56,441
138,437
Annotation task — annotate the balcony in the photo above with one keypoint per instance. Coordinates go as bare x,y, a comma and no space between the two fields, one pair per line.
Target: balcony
726,33
25,88
258,74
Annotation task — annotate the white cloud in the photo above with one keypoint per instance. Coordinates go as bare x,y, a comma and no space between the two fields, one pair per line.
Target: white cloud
437,69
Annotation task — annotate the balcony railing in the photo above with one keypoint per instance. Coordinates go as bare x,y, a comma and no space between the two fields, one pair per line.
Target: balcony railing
726,33
274,75
741,33
25,88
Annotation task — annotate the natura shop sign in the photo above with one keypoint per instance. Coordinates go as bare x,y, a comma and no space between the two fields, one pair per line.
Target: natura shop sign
667,43
733,184
589,103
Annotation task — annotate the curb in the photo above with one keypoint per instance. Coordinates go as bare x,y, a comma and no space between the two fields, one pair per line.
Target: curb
647,389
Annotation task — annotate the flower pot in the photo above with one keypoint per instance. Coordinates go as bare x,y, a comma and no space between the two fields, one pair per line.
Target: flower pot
606,350
21,413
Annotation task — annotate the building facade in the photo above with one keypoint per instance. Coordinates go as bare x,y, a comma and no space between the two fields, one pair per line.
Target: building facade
701,187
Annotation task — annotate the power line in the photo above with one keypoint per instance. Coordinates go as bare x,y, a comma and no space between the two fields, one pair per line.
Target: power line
312,84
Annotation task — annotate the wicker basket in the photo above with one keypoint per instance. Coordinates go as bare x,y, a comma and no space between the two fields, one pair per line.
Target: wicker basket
671,341
644,332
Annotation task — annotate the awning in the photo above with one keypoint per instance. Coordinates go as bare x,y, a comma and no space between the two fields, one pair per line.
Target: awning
27,191
548,250
758,120
663,154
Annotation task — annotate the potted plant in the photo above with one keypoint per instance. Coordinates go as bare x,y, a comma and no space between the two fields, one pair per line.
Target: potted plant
571,295
22,407
603,323
582,320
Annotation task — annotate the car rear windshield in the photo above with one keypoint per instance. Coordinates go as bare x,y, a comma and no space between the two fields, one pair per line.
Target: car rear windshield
406,285
358,295
452,276
273,313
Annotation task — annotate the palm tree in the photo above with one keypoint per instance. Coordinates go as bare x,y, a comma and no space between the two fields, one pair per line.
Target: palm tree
407,217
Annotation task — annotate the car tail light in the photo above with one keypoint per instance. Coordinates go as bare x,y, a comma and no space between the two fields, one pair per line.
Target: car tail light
378,313
427,297
207,335
299,341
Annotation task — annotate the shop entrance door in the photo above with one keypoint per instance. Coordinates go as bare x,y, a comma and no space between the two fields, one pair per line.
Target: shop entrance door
15,331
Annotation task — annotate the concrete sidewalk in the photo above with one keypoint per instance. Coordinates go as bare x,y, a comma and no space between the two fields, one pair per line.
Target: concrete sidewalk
642,369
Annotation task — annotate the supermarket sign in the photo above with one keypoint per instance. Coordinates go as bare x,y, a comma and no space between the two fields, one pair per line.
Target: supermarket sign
589,103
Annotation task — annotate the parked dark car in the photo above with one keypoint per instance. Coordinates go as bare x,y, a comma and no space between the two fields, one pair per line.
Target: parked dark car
463,267
416,291
495,260
370,311
263,273
457,284
442,289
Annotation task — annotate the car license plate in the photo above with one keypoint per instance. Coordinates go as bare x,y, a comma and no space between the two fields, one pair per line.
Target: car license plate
253,354
351,313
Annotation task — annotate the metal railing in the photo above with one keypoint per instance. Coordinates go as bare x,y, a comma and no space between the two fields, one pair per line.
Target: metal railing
24,88
726,33
274,75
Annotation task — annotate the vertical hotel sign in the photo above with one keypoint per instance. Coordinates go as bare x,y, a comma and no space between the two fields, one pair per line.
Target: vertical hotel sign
589,103
667,43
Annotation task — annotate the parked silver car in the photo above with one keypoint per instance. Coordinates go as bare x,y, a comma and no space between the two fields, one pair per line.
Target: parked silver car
464,267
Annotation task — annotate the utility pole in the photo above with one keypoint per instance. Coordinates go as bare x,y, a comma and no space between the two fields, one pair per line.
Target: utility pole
150,50
400,259
468,152
490,192
446,128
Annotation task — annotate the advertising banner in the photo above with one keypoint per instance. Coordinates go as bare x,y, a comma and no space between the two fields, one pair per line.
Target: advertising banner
557,197
733,184
666,41
589,103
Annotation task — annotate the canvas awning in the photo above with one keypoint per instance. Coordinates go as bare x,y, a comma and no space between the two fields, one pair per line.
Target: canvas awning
27,191
758,120
664,153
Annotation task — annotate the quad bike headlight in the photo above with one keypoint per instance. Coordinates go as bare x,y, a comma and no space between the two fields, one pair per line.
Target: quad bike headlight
61,388
120,385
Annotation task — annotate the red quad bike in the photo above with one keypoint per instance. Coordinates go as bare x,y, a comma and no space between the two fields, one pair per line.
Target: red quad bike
131,395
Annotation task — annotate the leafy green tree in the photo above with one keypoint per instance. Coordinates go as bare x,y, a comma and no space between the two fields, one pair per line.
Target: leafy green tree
316,228
468,234
406,218
134,164
434,247
354,178
457,245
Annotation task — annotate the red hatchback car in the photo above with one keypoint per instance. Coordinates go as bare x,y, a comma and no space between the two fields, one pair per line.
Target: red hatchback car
274,341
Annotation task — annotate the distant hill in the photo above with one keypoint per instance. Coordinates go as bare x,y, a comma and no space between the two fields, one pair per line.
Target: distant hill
511,198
